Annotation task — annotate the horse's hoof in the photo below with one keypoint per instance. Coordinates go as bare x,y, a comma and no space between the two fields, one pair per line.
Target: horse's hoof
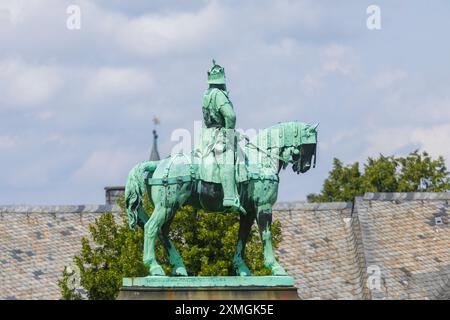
244,273
279,271
157,271
180,271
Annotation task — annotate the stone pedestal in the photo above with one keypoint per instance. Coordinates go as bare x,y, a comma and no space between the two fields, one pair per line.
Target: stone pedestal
208,288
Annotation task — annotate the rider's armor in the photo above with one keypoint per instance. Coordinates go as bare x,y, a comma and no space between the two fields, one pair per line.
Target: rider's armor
213,100
218,113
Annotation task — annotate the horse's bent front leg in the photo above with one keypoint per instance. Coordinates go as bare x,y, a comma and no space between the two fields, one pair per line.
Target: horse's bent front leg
264,219
245,226
151,230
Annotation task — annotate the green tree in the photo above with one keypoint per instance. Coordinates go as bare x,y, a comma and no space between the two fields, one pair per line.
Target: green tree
206,242
418,166
342,183
415,172
111,252
380,175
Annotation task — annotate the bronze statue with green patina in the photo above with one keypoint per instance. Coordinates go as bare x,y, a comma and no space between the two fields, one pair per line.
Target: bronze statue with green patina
219,177
220,119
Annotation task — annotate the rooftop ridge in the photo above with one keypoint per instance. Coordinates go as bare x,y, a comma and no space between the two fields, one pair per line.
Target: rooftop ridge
390,196
279,206
83,208
95,208
315,206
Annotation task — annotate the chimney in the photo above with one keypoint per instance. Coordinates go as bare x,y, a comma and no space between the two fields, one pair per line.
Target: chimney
112,193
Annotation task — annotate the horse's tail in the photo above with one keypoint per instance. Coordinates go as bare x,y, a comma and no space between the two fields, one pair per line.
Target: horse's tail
135,190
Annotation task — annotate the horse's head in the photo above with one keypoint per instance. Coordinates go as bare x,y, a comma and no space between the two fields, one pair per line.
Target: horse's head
300,153
302,158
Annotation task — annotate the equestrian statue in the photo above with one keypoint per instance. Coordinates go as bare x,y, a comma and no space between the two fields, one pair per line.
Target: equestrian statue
229,172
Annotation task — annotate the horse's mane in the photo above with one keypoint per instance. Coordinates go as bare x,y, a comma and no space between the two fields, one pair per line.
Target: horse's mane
280,134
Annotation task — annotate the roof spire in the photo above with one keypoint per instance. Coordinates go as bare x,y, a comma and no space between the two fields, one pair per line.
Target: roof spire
154,154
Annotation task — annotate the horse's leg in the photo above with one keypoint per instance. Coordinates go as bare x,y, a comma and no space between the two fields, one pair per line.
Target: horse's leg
245,226
264,219
175,259
151,230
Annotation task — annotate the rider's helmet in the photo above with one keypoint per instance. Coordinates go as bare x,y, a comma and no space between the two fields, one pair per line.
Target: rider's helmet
216,75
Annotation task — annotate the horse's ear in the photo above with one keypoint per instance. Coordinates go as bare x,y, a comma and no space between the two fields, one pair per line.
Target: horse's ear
314,127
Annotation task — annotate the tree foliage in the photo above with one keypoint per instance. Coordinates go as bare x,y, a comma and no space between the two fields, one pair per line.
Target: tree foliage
110,252
415,172
206,242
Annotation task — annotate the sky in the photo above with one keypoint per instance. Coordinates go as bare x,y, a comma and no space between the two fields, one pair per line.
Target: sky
76,105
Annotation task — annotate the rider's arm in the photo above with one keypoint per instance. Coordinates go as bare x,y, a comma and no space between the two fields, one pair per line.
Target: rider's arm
226,110
228,114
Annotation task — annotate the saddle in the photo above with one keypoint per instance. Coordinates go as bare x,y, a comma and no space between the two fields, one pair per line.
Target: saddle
201,165
181,168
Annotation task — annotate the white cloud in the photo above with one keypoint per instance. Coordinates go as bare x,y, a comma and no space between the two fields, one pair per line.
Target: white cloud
436,108
55,138
337,138
386,140
11,10
338,58
286,48
159,34
106,166
388,78
7,142
98,88
45,115
27,85
108,81
335,59
35,174
433,139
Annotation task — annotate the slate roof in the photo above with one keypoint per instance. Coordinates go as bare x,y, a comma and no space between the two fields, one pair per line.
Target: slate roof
407,236
36,243
381,246
319,250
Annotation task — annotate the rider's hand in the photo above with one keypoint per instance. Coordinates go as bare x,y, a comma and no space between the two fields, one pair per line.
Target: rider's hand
241,136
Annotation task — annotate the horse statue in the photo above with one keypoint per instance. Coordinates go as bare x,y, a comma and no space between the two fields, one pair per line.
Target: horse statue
177,181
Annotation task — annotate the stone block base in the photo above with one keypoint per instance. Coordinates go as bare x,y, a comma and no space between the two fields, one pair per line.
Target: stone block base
225,293
208,288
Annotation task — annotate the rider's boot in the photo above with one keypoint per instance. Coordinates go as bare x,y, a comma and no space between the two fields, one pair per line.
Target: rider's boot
230,194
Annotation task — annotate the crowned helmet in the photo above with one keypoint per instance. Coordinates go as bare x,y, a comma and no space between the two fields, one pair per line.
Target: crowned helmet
216,75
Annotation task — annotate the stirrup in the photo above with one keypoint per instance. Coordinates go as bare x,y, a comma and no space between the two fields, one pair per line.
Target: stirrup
234,205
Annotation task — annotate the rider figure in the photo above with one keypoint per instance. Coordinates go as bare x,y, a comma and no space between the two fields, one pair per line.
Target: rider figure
218,113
